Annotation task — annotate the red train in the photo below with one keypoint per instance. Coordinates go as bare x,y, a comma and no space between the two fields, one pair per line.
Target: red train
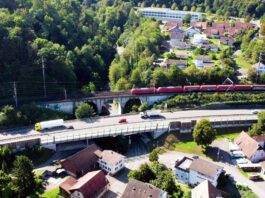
199,88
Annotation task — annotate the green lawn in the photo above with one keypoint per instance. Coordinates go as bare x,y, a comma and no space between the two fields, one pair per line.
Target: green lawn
192,147
242,63
189,147
54,193
229,136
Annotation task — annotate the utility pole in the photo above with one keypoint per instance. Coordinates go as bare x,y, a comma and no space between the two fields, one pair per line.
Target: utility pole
65,94
15,92
43,75
257,72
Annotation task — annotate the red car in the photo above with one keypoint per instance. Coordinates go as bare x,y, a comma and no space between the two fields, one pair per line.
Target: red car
123,120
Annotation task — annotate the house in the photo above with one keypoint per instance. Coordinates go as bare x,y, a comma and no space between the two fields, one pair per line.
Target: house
92,185
176,35
183,46
233,31
199,39
194,171
214,32
182,55
138,189
244,25
253,150
170,24
227,40
210,47
260,67
81,162
191,31
220,25
206,190
199,25
110,161
182,64
200,61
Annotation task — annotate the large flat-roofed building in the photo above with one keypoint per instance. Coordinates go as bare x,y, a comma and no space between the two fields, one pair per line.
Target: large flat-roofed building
168,14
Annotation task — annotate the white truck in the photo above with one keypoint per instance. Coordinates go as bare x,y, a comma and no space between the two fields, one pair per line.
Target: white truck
150,113
49,124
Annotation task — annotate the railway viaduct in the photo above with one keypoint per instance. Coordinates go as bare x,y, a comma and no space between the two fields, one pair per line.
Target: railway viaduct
99,101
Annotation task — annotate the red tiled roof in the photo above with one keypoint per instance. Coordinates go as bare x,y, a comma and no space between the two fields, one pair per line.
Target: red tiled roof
202,25
67,184
216,31
82,161
244,25
220,25
247,144
171,24
90,185
138,189
259,138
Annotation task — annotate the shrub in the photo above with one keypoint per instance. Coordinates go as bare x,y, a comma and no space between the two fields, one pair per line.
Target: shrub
84,110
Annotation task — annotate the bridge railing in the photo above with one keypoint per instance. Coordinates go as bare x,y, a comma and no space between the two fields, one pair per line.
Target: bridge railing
104,132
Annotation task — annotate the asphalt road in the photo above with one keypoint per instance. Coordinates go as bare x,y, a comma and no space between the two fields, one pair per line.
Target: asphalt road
107,122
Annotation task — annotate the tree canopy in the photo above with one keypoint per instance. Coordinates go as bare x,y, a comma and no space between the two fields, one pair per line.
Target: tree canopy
203,133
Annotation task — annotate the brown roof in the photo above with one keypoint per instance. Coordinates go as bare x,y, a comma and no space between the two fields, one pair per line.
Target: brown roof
205,190
67,184
138,189
171,24
202,25
220,25
204,58
227,39
177,62
204,167
90,185
176,33
183,54
247,144
259,138
244,25
111,157
82,162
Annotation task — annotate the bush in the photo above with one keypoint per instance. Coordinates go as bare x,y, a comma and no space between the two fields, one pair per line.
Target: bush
153,156
84,110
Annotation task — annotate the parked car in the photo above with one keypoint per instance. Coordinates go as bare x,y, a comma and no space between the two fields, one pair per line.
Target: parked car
195,156
242,161
254,177
123,120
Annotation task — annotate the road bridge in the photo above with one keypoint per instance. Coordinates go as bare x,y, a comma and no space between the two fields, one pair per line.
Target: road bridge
153,126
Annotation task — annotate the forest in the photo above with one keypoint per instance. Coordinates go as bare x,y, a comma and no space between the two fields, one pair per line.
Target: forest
72,45
73,40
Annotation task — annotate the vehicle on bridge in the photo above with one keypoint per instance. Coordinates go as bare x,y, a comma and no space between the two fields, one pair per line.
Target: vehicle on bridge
150,113
123,120
197,88
49,124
